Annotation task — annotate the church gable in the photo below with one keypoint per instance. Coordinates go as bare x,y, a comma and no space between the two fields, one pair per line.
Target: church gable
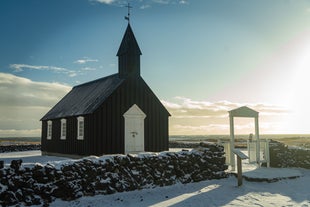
149,90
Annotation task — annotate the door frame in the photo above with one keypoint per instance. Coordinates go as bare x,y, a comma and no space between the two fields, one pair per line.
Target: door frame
134,128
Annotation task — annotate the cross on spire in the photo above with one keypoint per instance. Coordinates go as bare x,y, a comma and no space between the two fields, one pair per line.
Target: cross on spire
128,15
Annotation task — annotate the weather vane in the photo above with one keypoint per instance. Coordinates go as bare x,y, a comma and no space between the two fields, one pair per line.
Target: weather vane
128,16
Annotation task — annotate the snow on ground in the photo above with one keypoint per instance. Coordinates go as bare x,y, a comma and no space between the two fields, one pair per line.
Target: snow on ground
270,173
224,192
252,171
31,157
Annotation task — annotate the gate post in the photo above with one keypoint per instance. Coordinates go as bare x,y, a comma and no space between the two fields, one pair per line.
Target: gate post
257,141
232,141
240,156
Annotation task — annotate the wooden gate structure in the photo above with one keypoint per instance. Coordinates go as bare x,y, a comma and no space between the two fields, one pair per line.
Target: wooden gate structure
244,112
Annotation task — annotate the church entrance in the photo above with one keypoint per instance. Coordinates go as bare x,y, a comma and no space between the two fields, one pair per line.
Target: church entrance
134,130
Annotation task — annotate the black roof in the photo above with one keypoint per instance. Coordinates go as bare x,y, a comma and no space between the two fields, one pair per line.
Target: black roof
129,43
85,98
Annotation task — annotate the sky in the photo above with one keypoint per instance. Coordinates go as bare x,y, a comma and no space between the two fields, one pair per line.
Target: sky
201,58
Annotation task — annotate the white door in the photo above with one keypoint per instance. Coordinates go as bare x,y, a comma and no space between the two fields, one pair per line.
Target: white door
134,130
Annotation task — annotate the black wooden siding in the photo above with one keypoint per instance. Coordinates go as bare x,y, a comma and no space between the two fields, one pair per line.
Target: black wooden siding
71,145
104,128
108,120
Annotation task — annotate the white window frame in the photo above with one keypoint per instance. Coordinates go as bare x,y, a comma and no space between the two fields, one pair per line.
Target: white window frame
49,129
80,128
63,129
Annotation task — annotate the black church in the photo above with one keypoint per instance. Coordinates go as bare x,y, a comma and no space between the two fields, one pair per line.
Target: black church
115,114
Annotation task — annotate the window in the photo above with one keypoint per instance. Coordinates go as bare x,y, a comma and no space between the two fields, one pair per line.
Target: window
80,127
49,130
63,129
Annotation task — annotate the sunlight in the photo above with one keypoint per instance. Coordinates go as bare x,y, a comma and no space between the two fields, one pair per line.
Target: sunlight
259,196
299,97
285,83
182,197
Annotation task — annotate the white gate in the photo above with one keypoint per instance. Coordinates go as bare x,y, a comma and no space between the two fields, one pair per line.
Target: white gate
252,151
263,152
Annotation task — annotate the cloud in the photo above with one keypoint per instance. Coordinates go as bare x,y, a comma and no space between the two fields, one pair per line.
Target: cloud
171,1
162,1
182,105
201,129
142,4
85,60
183,2
191,117
145,6
22,67
20,133
73,74
106,1
110,2
23,102
21,91
88,69
185,106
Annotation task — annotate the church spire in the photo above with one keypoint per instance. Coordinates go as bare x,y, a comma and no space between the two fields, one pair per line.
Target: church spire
129,55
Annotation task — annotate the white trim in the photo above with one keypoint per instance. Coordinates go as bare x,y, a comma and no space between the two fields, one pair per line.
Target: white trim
134,130
49,129
80,128
134,112
63,129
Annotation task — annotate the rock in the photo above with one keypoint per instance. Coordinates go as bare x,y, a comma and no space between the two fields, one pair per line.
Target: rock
16,148
64,191
8,198
15,164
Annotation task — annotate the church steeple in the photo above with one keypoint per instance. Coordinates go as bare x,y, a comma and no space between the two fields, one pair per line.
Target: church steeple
129,55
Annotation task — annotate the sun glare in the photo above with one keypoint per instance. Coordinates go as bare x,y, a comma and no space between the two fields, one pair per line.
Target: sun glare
298,99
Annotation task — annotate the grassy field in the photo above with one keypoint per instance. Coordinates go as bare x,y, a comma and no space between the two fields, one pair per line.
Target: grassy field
302,140
296,141
240,140
20,140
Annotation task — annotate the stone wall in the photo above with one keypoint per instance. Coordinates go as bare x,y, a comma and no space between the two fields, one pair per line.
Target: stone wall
283,156
41,184
181,144
17,148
